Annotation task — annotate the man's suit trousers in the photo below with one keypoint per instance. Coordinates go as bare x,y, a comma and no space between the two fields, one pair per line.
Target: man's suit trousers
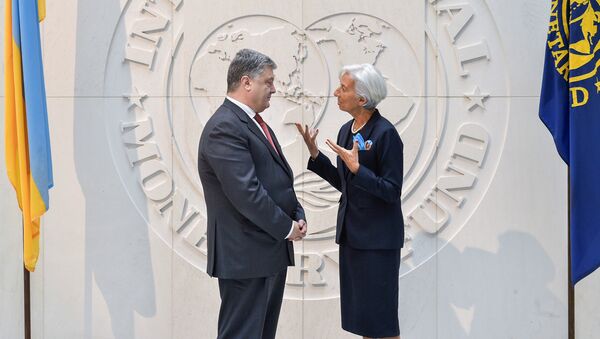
250,307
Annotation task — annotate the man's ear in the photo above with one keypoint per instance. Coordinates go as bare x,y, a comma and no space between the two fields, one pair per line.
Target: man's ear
245,81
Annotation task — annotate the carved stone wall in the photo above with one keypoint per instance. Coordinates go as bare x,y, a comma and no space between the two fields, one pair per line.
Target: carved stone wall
131,84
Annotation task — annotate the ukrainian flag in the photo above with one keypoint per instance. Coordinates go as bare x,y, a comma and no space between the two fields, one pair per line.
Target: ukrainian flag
27,141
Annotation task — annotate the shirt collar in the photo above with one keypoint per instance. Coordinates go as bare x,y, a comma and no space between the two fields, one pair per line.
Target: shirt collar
243,106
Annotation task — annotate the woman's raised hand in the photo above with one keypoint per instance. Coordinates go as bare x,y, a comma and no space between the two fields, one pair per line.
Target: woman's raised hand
310,138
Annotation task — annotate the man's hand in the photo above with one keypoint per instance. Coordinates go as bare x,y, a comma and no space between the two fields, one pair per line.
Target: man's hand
299,231
303,227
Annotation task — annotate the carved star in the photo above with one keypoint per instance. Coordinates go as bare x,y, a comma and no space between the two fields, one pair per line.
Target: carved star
476,98
597,86
135,98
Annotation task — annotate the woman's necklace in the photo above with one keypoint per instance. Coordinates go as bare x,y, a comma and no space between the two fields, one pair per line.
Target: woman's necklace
357,129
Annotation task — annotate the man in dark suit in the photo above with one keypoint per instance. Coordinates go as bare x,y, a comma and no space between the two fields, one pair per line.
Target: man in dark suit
253,212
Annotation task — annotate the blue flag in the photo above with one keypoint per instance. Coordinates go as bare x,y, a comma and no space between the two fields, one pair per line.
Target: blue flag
570,108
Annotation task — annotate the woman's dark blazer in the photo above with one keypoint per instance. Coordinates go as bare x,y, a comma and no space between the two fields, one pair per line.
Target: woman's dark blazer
370,211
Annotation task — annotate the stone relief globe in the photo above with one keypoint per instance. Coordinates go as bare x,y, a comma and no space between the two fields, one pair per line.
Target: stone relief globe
295,55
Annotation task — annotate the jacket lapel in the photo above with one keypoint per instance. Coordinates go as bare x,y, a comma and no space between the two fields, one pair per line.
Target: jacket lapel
259,134
365,132
281,157
368,129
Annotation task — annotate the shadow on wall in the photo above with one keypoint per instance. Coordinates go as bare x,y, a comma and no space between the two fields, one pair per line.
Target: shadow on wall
492,295
117,248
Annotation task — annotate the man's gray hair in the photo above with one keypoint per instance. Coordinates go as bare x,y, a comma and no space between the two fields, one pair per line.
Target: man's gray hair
247,62
368,82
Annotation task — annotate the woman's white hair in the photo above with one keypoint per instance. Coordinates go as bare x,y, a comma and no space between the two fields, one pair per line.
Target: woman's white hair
368,82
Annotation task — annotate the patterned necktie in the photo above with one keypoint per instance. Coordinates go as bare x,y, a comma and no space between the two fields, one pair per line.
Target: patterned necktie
265,129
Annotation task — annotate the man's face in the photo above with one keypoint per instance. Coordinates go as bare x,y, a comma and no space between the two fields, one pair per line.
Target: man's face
261,89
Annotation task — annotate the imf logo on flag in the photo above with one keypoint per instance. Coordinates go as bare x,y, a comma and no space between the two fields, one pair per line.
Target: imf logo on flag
447,98
573,39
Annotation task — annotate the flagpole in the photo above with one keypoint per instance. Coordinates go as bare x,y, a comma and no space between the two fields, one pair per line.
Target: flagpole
26,294
571,289
27,303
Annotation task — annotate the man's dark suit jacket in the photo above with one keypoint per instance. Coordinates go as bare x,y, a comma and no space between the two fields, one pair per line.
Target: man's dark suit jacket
370,211
250,198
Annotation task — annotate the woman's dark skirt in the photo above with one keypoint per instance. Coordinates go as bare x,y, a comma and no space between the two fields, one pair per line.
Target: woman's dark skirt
369,291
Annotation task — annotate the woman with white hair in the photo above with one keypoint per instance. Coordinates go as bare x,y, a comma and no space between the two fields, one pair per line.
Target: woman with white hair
370,226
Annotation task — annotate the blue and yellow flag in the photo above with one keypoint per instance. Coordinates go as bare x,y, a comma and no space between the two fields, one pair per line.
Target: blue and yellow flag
570,108
27,141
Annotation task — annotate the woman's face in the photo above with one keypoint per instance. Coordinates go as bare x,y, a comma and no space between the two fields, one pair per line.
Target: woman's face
347,99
